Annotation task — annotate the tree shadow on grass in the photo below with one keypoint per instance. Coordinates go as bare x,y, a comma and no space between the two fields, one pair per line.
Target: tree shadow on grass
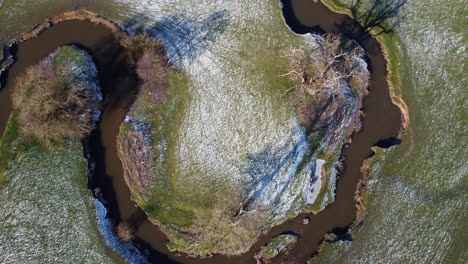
274,165
183,37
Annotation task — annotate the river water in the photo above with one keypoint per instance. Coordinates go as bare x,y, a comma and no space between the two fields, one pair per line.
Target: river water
119,84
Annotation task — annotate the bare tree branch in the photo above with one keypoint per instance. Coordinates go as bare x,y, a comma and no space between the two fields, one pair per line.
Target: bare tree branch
330,65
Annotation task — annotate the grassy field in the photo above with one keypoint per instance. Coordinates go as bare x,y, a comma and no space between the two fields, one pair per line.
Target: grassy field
226,127
47,213
417,203
9,151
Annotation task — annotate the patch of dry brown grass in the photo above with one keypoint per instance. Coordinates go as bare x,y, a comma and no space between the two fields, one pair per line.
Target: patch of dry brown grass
138,172
224,227
152,68
51,108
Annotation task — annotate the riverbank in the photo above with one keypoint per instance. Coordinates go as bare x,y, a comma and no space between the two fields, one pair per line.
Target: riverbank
81,15
390,50
389,47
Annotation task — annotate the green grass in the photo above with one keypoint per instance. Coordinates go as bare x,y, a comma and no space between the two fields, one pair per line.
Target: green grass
9,151
266,67
179,199
163,205
66,55
46,210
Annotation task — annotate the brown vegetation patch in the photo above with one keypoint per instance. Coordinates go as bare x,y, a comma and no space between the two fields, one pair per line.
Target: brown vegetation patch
225,226
138,172
152,69
51,107
151,63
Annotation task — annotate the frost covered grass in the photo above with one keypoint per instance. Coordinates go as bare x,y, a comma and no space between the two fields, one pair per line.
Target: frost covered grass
47,213
227,147
426,174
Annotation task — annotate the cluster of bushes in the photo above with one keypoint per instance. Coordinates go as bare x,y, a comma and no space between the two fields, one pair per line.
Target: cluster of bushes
52,106
125,231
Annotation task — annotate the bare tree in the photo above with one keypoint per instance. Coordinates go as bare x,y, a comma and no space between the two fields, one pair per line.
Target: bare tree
323,71
381,15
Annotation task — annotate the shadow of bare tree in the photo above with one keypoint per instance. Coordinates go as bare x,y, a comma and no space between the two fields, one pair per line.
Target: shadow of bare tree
275,166
184,37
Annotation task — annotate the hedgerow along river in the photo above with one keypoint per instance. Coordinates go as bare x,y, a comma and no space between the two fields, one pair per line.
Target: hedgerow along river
119,82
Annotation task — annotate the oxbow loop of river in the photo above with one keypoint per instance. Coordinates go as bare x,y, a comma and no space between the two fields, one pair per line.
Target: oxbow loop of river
249,112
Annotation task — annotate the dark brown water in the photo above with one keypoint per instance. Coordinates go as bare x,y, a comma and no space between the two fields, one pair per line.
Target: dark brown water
119,83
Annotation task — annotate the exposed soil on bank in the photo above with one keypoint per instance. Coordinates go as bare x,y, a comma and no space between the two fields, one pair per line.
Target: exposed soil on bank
119,83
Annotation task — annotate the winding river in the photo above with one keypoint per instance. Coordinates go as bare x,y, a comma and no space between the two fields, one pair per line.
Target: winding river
381,125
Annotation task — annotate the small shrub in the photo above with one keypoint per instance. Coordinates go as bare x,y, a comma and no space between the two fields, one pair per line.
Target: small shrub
125,232
151,65
139,43
152,69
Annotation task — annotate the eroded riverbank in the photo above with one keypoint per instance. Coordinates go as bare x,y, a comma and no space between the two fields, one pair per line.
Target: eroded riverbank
109,166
